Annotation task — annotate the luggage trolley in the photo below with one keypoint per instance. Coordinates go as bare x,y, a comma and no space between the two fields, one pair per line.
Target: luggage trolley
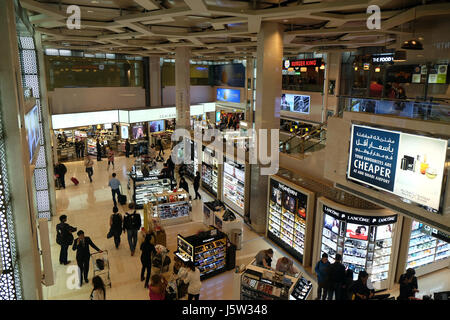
103,273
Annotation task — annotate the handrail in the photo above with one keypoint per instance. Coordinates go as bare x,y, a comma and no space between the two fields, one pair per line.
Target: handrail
416,100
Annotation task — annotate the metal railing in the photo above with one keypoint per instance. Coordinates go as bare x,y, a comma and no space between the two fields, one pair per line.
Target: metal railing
427,110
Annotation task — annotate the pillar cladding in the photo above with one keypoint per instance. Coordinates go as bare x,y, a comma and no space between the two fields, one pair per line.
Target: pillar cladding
155,81
269,78
182,87
267,112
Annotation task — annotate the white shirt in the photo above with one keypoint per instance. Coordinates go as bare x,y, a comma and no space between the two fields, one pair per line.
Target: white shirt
193,278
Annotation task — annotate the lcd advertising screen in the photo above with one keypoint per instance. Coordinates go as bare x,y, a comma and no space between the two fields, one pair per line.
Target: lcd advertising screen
295,103
33,131
138,132
156,126
409,166
124,132
229,95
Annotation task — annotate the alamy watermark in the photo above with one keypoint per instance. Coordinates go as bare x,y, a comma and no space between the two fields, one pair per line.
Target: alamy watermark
252,148
374,20
74,20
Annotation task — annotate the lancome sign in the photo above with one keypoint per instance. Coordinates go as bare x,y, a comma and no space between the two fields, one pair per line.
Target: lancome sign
407,165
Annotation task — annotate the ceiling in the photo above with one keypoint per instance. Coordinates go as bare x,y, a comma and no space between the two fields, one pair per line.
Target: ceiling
224,29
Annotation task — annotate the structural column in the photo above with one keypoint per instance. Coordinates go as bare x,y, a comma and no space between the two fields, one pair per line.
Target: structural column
182,86
267,111
19,195
332,77
155,81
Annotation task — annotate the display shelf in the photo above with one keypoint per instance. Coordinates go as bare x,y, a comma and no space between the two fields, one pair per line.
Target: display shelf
207,250
442,255
428,254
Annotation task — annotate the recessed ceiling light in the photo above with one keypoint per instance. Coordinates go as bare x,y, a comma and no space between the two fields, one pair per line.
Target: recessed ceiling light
95,1
90,11
285,20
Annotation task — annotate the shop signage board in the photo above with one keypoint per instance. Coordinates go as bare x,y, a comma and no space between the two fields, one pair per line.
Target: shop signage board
354,218
383,58
33,130
228,95
407,165
296,64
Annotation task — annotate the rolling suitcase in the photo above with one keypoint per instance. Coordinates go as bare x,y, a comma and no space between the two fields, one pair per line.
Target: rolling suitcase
74,180
122,199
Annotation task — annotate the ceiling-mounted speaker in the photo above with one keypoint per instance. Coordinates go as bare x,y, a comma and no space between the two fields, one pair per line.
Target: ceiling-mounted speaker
400,56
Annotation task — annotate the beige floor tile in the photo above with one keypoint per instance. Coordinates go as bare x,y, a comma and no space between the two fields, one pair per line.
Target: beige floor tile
88,207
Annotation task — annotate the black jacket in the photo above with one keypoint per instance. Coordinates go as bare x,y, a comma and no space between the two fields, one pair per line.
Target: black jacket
64,233
196,182
406,289
127,146
336,273
132,221
60,169
360,288
185,186
83,252
147,250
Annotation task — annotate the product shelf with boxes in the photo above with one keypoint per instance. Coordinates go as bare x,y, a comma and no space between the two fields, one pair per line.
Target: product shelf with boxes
208,251
428,248
143,189
258,283
171,207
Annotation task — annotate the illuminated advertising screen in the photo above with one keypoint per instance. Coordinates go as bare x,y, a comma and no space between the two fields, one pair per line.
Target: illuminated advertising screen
295,103
156,126
33,131
228,95
409,166
124,132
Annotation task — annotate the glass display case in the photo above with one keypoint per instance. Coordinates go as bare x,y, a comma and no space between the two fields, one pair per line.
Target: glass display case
287,218
364,242
192,168
234,183
143,189
207,250
263,284
171,207
210,172
426,246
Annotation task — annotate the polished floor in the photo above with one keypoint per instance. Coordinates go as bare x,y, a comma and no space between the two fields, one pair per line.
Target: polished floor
89,206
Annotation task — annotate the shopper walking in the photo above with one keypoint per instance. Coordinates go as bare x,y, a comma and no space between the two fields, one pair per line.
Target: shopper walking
408,285
321,270
147,251
158,286
110,157
77,148
116,225
88,163
336,279
132,223
64,238
264,258
114,183
159,145
82,147
183,185
81,245
171,166
197,185
193,280
99,291
99,151
60,172
127,148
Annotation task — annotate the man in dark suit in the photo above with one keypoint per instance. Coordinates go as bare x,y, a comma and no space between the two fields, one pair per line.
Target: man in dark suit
81,244
64,238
